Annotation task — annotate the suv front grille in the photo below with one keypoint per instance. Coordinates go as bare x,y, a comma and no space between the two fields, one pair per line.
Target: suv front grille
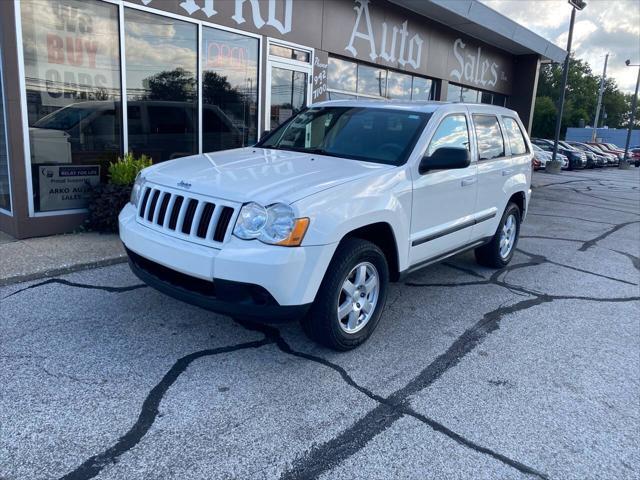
188,216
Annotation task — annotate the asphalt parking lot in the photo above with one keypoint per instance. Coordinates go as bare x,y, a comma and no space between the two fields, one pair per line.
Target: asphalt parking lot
529,372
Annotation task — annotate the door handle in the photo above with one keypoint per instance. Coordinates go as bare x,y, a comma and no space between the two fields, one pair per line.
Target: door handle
506,172
468,181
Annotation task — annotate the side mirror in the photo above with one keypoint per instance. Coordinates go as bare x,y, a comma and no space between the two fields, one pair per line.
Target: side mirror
445,158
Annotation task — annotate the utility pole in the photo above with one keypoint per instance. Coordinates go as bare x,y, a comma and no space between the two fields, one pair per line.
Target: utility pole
597,120
634,103
576,5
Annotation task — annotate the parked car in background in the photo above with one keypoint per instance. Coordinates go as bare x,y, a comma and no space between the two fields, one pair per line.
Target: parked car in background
603,147
635,156
541,157
592,162
599,158
315,220
577,159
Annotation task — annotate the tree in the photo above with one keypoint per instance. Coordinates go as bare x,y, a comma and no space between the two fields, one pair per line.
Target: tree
544,118
581,99
176,85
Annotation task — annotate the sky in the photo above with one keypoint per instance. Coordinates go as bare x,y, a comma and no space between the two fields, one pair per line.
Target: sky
604,26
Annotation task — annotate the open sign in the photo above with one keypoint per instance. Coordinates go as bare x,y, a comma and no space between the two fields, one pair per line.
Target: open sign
221,54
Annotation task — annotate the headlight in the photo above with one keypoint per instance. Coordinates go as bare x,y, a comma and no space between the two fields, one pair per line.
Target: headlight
136,190
275,224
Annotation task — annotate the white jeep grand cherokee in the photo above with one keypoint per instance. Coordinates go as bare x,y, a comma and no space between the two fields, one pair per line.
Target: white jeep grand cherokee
315,220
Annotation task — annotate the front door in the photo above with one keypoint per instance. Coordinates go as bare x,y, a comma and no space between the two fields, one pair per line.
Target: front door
444,201
288,76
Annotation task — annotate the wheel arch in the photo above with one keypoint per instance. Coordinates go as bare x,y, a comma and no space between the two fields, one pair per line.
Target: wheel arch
382,235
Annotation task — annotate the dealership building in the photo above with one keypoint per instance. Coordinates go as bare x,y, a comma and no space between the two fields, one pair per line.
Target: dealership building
83,81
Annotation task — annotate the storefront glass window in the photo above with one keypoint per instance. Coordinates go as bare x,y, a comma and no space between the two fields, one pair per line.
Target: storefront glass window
422,89
289,53
399,86
342,75
499,99
454,93
288,94
72,76
229,90
486,97
469,95
162,92
5,197
372,81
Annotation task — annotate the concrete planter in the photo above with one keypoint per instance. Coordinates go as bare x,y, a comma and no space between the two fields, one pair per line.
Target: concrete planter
553,167
624,165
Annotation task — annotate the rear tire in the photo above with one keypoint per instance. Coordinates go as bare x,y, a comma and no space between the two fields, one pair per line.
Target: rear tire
499,251
341,320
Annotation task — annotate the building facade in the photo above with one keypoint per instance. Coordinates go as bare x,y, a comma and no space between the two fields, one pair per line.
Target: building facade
84,81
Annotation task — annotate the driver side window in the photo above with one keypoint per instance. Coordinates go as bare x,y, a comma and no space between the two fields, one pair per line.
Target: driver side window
452,132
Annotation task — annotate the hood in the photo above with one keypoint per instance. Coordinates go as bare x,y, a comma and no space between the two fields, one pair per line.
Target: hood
258,174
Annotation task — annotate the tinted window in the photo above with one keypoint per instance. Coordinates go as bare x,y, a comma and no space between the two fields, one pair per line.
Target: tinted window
489,136
72,77
515,136
161,58
373,134
452,133
229,90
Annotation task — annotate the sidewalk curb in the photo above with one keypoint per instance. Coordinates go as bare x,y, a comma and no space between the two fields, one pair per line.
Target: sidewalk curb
62,271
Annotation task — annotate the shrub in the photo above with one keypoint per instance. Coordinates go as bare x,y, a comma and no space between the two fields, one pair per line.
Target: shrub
108,199
124,171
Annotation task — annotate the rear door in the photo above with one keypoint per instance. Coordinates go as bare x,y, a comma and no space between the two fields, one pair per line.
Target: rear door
494,168
443,200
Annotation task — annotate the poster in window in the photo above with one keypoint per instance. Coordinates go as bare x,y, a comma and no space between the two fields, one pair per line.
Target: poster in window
65,187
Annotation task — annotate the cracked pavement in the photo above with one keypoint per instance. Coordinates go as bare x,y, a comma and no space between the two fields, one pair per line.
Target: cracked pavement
532,371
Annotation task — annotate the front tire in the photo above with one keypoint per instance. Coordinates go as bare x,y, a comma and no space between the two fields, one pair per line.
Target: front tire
499,251
351,298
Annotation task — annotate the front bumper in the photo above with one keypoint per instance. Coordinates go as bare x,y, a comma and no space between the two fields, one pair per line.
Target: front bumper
237,273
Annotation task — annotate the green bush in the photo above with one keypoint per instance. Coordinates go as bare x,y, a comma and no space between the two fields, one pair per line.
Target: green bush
124,171
108,199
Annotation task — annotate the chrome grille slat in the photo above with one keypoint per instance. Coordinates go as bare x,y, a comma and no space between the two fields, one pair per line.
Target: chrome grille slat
192,217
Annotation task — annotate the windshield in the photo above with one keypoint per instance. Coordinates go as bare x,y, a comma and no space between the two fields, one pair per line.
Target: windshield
63,119
379,135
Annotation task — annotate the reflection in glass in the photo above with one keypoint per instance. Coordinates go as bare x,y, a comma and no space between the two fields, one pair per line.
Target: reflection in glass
452,133
342,75
229,90
486,97
489,137
371,80
290,53
5,199
454,93
341,96
161,85
422,89
469,95
72,77
515,136
399,86
288,94
372,134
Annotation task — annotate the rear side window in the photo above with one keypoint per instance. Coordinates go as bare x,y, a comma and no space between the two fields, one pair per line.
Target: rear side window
489,136
515,136
452,132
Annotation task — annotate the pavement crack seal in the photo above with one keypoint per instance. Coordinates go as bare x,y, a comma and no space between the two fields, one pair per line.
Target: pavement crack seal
392,408
68,283
591,243
92,467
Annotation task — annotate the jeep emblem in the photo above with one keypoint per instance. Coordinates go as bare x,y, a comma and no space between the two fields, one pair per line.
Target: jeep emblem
184,184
